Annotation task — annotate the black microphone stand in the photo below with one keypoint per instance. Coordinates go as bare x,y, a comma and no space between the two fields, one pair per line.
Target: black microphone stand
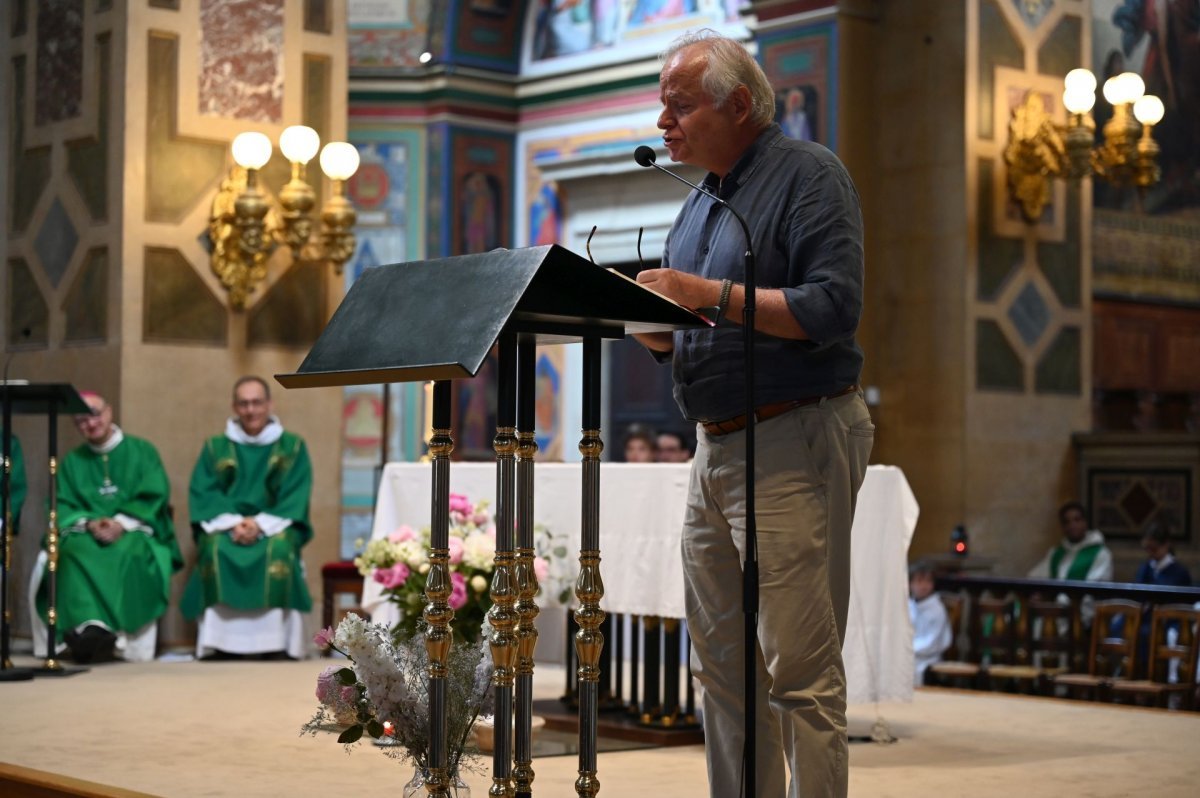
645,157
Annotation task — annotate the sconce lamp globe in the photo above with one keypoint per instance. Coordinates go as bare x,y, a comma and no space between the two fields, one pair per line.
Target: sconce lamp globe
1148,110
251,150
1127,87
299,143
1077,100
1080,81
339,160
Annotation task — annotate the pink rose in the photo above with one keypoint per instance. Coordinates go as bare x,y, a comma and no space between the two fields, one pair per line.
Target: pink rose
327,684
392,577
324,638
402,534
456,550
458,591
479,519
541,568
460,504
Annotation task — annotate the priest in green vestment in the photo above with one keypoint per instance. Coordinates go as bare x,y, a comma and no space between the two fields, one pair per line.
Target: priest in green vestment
1081,555
249,500
16,483
117,547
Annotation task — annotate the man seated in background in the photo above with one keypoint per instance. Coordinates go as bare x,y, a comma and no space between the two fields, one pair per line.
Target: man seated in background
1081,555
249,499
673,448
117,547
932,634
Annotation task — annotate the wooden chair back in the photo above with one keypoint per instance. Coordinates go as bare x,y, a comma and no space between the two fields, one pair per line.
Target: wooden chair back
1050,633
1183,645
954,603
1114,644
993,633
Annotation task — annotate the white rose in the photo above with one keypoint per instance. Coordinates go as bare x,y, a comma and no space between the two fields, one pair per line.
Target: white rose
478,583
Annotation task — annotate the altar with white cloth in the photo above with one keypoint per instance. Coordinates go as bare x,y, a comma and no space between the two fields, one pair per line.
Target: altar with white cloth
641,520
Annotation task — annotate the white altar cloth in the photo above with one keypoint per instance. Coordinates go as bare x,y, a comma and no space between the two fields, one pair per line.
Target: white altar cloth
641,520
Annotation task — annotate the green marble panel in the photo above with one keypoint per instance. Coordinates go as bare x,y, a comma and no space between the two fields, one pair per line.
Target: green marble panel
1059,369
87,159
317,16
1063,49
316,114
28,313
179,171
293,311
997,365
178,307
999,257
30,168
1062,263
20,17
997,47
85,308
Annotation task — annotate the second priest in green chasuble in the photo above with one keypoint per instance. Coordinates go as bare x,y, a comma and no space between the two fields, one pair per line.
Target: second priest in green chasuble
16,483
249,500
117,547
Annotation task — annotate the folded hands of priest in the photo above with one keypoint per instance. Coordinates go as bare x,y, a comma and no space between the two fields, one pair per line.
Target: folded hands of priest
105,530
246,532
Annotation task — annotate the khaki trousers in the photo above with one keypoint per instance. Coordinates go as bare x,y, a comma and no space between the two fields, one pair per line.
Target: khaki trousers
810,465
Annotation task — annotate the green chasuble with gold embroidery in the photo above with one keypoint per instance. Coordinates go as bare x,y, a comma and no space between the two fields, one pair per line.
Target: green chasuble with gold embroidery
124,584
16,484
245,480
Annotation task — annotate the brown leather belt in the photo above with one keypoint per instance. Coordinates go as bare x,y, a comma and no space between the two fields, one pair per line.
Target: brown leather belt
764,412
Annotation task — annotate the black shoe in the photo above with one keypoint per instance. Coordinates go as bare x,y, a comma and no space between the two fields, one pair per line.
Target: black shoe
94,644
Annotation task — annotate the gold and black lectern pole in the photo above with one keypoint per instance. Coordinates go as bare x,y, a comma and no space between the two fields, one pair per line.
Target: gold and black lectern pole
48,399
404,323
438,613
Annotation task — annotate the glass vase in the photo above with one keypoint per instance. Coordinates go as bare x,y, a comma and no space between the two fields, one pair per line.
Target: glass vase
416,786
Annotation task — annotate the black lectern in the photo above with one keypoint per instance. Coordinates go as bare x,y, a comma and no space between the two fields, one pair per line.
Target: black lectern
46,399
438,320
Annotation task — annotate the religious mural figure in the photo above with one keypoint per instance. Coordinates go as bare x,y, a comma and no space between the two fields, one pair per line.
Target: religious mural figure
480,213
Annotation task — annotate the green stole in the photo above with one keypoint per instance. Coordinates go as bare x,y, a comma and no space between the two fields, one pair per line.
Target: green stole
1079,566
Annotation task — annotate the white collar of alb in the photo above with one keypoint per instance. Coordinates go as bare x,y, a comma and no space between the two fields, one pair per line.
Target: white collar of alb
113,441
269,434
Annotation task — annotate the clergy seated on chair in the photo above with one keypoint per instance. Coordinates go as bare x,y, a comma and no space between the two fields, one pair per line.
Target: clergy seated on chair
117,547
1081,555
932,633
249,501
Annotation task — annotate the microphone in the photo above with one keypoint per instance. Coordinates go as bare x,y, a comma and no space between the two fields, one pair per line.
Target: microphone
645,157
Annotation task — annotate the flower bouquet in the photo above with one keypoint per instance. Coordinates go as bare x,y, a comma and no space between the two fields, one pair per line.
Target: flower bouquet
384,693
400,564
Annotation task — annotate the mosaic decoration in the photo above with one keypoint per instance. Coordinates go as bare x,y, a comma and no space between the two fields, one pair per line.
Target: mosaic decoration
999,256
1122,500
436,224
1033,11
1145,257
1059,369
548,398
485,33
1029,314
1063,49
28,314
59,60
85,309
997,365
178,306
292,313
30,168
87,159
383,36
482,187
179,171
997,47
241,59
55,242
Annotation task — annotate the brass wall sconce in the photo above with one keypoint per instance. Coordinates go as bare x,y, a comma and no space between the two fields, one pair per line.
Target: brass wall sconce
1039,149
246,224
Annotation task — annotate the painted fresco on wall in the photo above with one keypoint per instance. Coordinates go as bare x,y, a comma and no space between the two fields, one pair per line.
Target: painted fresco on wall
384,34
1152,252
481,181
798,64
486,34
574,34
796,112
548,396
